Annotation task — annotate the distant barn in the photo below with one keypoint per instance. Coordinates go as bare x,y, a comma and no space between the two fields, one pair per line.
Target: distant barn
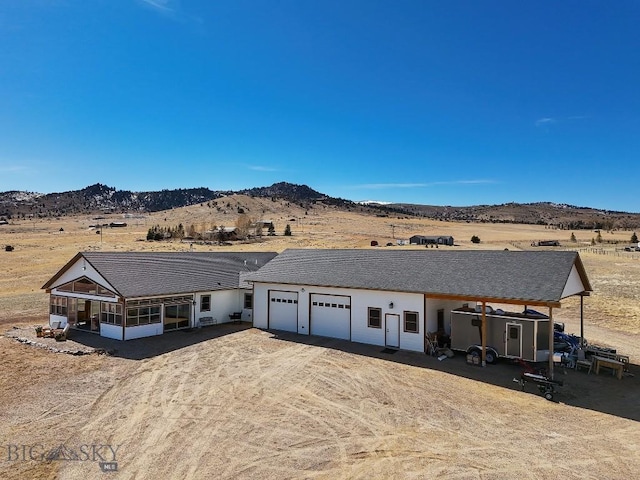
430,240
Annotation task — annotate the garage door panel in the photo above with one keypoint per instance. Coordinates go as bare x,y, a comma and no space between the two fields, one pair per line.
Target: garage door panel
283,310
331,316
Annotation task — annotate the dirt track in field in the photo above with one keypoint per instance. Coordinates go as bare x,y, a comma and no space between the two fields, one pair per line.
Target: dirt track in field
235,403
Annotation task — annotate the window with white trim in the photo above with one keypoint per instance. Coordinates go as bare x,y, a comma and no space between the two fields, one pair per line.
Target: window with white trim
205,303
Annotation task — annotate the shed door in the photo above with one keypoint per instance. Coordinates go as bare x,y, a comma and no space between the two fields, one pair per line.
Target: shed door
513,340
331,316
283,310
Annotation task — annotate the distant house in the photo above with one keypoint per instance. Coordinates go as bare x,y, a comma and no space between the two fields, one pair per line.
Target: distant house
264,223
228,233
430,240
548,243
117,224
127,295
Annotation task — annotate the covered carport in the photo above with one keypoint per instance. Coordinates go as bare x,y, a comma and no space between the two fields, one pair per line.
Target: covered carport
535,286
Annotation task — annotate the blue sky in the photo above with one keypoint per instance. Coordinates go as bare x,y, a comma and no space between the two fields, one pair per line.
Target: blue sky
432,102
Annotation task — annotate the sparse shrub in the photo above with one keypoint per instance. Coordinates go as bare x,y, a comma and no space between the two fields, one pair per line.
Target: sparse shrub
287,230
573,237
475,239
634,238
8,248
599,237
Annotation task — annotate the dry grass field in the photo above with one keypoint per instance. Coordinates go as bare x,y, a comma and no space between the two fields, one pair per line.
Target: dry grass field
236,402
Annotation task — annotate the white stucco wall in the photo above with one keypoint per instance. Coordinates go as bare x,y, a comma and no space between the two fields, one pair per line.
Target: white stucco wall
57,318
431,314
223,304
140,331
361,300
111,331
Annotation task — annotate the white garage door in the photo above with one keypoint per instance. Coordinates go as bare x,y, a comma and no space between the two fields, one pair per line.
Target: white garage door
283,310
331,316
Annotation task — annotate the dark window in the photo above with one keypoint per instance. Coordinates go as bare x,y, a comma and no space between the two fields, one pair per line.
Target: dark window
205,303
177,316
143,315
411,322
111,313
248,300
375,317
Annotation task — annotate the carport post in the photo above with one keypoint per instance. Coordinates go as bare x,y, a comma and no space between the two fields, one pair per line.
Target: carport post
484,334
581,321
551,343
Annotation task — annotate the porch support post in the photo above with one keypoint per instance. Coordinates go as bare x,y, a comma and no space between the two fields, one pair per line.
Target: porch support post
581,320
484,334
551,342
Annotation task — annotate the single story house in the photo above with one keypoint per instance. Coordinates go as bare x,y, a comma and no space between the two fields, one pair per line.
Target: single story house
127,295
393,298
431,240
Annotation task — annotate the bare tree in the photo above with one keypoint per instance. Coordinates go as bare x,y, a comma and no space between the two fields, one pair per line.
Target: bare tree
243,225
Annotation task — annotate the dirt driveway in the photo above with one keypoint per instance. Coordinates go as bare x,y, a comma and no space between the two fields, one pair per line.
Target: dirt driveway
237,402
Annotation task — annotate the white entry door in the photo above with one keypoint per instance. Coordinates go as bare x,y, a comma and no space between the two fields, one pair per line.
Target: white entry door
392,330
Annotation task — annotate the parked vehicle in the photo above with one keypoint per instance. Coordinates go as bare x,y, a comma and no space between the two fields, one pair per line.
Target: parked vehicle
509,334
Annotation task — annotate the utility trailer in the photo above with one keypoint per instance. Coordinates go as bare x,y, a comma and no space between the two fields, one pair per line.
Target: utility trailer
509,334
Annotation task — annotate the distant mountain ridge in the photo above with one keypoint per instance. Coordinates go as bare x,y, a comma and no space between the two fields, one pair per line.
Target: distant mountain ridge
101,198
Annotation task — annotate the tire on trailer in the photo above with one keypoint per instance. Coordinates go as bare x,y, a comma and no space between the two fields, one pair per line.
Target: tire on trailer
491,356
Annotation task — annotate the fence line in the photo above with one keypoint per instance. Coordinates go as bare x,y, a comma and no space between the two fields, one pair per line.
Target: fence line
594,250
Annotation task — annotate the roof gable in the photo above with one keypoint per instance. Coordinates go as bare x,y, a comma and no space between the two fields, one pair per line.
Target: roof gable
139,274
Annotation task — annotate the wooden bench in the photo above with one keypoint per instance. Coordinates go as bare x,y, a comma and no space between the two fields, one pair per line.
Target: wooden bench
235,316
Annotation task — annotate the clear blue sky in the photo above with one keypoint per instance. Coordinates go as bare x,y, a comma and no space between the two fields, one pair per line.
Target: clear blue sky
433,102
